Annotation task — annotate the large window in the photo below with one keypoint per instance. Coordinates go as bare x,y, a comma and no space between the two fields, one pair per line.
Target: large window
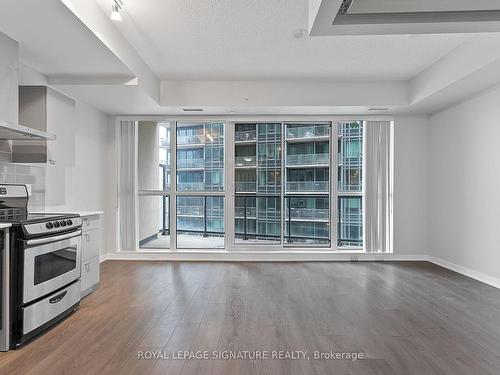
291,184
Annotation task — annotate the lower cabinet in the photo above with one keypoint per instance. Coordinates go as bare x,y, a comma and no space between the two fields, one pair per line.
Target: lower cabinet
90,271
90,275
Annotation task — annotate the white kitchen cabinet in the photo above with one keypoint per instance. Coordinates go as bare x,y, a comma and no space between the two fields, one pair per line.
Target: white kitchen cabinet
43,108
91,245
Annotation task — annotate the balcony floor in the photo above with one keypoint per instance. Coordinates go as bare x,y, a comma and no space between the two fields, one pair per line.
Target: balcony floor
185,241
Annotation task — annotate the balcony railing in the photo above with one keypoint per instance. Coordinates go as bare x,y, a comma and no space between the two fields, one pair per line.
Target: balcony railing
348,161
308,131
245,161
307,186
245,136
307,159
240,212
190,139
190,163
246,187
308,214
270,214
345,186
190,210
269,189
190,186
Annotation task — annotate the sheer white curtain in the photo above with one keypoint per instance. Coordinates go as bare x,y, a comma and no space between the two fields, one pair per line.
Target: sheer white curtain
127,186
378,187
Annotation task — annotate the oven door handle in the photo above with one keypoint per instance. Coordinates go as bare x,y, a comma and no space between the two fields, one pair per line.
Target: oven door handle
58,298
42,241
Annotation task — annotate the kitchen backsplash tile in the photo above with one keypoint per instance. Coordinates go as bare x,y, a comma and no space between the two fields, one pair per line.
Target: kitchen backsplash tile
11,173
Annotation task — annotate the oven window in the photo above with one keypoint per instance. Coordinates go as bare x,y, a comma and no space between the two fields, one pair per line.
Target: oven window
49,266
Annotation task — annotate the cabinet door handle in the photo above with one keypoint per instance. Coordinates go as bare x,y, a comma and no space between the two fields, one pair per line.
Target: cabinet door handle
86,221
87,267
87,237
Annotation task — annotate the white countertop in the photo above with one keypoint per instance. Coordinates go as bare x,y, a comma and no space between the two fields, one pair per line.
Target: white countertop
5,225
81,213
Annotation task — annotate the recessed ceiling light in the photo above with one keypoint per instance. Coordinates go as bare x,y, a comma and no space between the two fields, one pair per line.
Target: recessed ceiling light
300,34
192,109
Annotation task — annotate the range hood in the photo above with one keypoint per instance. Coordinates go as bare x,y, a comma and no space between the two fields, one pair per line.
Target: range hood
10,131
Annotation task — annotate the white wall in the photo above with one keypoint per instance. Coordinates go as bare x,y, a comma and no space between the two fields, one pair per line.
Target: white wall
411,136
464,184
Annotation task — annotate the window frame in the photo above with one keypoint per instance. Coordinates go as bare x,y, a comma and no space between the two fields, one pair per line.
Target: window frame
228,123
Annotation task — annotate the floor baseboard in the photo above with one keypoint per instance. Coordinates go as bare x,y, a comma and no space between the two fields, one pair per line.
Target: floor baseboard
261,256
479,276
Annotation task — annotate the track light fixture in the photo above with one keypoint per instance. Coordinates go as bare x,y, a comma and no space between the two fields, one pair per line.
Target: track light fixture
116,7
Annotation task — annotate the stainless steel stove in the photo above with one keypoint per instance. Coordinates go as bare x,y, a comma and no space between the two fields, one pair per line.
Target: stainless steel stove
40,265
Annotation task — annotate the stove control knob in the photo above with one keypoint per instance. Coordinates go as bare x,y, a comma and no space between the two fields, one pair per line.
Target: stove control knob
69,222
56,224
49,225
63,223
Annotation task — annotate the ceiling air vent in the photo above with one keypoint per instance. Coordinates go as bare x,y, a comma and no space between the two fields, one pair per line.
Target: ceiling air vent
192,109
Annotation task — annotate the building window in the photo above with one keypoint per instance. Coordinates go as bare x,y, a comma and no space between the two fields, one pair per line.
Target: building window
200,156
296,184
350,184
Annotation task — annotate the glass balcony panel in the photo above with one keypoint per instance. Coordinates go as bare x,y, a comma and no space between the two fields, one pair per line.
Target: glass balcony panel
200,222
259,224
184,186
246,187
312,131
307,159
245,136
307,220
307,186
245,161
190,163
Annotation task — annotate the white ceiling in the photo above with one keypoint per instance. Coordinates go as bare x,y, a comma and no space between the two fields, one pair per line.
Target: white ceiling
253,39
52,41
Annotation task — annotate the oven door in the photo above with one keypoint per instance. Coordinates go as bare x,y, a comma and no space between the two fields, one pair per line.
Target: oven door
50,263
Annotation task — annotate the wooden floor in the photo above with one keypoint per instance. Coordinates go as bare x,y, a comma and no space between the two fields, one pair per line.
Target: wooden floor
406,318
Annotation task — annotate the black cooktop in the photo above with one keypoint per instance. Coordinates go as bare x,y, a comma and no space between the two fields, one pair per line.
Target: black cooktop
14,217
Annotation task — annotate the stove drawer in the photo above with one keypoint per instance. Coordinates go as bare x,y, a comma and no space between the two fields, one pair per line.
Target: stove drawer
43,311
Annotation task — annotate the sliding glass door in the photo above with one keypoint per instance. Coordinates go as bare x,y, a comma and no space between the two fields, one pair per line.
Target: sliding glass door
153,176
